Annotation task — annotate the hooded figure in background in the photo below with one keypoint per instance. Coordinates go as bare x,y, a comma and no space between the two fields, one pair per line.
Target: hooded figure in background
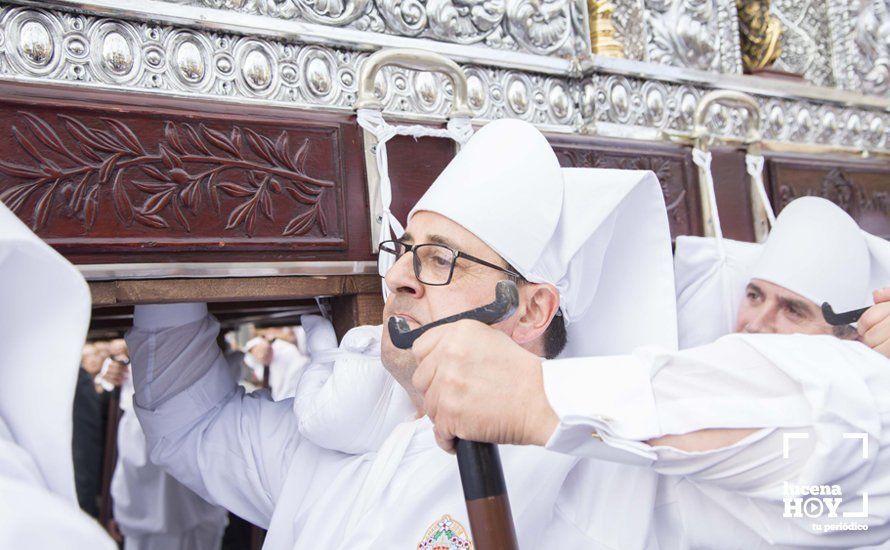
815,253
41,293
574,239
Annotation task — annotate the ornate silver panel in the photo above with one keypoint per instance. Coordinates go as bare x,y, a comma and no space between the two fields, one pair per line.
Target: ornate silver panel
689,33
535,26
696,34
870,45
76,48
56,46
625,101
630,28
806,40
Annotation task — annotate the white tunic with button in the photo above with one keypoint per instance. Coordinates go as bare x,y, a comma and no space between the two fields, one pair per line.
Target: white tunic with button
245,452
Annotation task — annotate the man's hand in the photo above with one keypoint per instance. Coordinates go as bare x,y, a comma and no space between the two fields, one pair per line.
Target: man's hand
117,372
874,325
479,385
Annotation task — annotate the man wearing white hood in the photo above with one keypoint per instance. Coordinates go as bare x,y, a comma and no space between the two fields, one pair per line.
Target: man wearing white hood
502,208
779,438
40,293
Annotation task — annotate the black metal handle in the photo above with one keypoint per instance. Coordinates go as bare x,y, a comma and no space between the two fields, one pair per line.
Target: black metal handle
505,303
480,468
843,318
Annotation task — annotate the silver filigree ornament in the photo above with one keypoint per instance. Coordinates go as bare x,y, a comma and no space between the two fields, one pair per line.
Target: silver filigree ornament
518,96
476,93
113,56
871,40
685,34
560,104
464,21
33,43
405,17
542,26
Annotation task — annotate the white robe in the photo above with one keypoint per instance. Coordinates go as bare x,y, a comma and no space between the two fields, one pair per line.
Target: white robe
832,396
40,294
245,452
345,401
32,516
153,510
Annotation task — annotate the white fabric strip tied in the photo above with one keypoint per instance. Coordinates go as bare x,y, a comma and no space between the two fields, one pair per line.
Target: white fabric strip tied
703,159
459,129
754,164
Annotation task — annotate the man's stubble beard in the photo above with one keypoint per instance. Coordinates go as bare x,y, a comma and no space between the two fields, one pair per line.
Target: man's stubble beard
400,364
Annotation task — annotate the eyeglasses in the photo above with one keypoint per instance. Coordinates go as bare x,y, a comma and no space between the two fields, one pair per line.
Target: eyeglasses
433,263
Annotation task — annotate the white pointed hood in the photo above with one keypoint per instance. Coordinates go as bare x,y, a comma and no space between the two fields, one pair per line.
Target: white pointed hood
818,251
44,316
600,236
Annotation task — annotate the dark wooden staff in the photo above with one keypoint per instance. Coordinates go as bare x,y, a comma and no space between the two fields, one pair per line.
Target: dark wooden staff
110,459
481,474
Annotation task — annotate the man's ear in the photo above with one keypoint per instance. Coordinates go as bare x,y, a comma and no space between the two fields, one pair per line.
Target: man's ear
540,302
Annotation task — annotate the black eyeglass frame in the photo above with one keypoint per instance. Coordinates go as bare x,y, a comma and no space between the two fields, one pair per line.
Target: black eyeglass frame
455,254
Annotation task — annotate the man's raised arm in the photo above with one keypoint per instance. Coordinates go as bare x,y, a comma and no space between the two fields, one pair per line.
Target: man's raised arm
232,449
746,416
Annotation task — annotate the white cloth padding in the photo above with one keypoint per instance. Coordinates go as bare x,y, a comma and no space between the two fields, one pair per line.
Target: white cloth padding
711,272
710,286
346,401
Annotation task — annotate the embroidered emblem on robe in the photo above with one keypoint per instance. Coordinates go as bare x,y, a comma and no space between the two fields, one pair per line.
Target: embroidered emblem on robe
446,534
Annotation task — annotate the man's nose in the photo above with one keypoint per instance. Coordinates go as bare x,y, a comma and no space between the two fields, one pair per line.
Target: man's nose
763,321
400,277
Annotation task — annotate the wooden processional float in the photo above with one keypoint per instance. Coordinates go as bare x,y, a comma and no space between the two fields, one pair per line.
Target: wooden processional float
233,151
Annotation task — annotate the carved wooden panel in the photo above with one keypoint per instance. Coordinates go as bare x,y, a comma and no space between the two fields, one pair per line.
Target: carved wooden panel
110,182
860,187
671,164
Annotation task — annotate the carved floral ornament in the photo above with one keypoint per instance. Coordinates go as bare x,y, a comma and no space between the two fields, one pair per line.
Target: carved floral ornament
838,187
159,188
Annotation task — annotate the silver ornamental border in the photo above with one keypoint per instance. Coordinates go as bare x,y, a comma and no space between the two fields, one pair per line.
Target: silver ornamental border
186,50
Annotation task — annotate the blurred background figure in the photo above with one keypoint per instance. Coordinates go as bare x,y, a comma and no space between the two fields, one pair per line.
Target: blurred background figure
272,353
88,445
103,367
152,510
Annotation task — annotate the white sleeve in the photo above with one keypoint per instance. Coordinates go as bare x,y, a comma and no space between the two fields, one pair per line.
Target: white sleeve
813,399
626,400
230,448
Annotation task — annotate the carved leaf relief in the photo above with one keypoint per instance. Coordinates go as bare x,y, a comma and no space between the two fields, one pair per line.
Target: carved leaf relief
165,186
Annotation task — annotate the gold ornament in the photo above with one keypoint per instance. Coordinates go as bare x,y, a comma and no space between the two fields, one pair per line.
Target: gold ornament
760,34
602,31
